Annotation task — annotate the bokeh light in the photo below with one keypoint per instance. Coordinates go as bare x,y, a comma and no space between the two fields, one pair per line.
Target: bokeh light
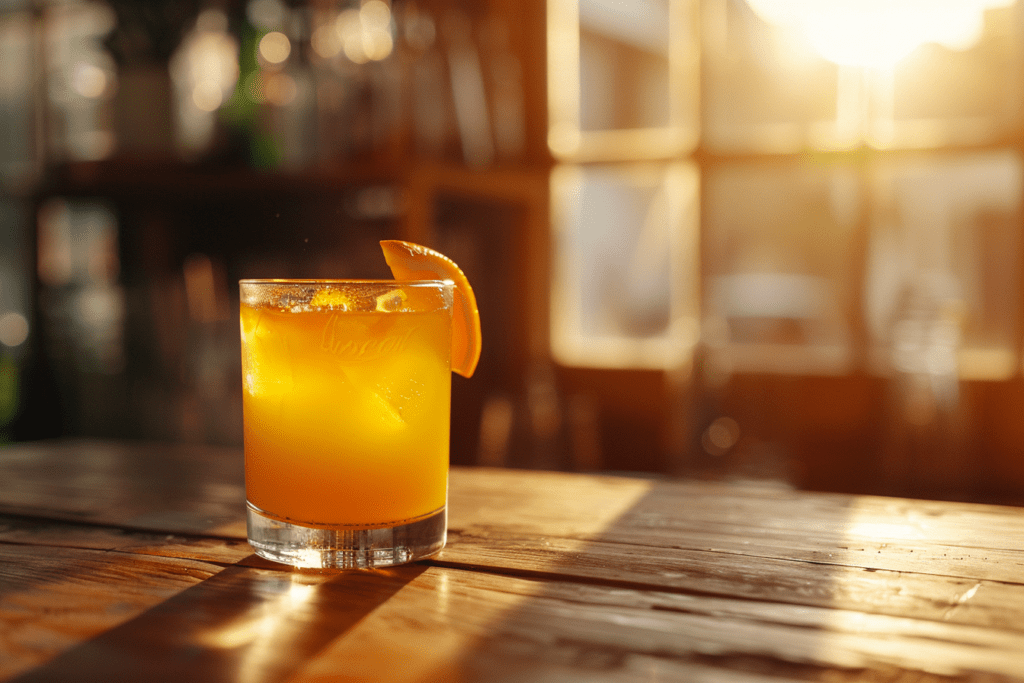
89,80
13,329
205,71
326,41
275,47
206,95
280,89
366,33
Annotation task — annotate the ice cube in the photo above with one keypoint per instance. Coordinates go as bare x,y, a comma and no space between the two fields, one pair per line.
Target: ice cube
266,361
334,299
390,412
403,395
393,300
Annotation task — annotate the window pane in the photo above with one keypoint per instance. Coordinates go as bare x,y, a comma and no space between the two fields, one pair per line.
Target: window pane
624,64
779,278
943,260
625,265
623,79
787,76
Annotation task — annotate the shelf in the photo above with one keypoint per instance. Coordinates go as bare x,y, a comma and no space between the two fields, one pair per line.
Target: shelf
122,177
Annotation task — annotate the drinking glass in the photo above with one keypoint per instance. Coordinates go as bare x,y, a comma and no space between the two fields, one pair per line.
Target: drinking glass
347,402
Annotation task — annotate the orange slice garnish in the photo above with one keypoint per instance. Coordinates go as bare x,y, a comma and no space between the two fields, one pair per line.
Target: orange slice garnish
410,261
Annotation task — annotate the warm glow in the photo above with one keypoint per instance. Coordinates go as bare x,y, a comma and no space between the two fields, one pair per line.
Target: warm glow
326,42
375,14
13,329
280,89
878,33
89,80
378,45
268,622
366,33
206,95
350,30
205,68
275,47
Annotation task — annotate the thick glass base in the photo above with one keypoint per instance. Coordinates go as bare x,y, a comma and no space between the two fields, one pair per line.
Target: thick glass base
303,546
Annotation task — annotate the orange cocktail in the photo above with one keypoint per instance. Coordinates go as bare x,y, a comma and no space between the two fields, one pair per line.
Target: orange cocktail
346,396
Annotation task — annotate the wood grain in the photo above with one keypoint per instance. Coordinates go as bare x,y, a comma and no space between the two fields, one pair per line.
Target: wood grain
456,625
27,531
941,561
147,486
245,623
920,595
548,502
128,561
53,598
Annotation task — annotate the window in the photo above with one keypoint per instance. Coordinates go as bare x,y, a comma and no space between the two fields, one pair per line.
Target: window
838,171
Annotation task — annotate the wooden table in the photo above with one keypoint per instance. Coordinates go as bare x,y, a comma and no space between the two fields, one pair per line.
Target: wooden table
123,561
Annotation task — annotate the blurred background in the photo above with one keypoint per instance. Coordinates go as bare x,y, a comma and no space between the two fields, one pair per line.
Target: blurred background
765,240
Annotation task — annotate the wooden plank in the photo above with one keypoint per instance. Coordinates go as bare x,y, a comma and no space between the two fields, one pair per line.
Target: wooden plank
552,502
549,502
777,511
418,623
246,623
795,582
472,626
870,554
53,598
161,487
427,624
25,531
764,544
189,489
968,541
924,595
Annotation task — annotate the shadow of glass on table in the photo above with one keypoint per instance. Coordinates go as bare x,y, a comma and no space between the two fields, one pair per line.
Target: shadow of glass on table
253,621
129,562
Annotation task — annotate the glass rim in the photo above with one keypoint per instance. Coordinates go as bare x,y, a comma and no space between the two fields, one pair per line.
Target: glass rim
342,281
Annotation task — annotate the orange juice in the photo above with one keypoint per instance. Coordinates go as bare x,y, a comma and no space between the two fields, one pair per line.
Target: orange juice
346,396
